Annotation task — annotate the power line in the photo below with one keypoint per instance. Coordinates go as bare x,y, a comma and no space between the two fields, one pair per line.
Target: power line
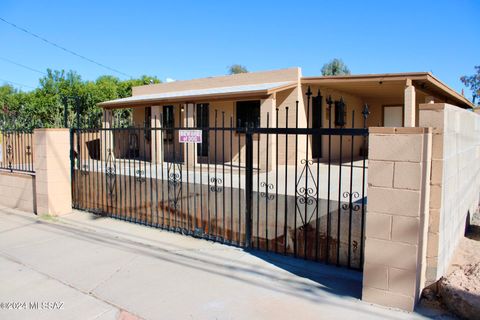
17,83
22,65
63,48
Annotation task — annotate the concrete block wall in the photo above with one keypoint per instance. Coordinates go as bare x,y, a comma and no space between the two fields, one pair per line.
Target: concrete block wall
455,180
397,212
17,191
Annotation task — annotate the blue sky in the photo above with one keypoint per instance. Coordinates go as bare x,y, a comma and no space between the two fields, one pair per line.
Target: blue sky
190,39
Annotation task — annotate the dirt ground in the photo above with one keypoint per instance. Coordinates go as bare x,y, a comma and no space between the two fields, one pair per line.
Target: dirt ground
459,291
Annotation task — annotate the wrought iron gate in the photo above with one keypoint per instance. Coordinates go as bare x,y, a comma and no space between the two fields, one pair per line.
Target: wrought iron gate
257,188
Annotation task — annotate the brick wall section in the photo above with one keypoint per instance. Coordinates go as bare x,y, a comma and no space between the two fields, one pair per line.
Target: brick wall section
17,191
52,169
399,167
455,180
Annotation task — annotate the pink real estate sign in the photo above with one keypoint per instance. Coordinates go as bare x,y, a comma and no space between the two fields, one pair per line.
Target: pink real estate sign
190,136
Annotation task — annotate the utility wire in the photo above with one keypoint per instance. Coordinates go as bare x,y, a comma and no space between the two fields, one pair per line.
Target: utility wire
22,65
63,48
17,84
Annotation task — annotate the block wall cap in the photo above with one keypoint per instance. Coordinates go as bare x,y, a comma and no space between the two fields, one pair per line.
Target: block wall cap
52,129
400,130
432,106
6,172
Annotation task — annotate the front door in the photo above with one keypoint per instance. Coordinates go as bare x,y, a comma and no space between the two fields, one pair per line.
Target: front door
393,116
203,122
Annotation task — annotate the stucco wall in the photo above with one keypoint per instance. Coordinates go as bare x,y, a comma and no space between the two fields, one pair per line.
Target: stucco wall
144,148
223,114
375,119
353,104
17,191
455,180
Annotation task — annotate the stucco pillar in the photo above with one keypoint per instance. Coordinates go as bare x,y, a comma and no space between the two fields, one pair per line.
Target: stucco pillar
157,142
52,171
397,216
189,149
268,118
107,136
409,105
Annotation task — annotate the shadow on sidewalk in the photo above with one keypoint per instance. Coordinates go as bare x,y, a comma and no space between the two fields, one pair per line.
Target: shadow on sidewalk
314,282
339,280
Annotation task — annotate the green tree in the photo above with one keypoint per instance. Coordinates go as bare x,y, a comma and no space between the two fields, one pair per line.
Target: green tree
44,106
473,83
14,105
237,68
336,67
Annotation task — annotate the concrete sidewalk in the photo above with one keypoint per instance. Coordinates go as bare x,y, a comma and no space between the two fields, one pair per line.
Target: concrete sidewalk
99,268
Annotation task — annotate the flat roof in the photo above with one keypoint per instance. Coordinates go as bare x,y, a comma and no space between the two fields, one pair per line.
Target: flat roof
364,83
250,90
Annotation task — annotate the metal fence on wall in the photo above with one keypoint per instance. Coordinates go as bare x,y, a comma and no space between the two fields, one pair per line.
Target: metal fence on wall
257,187
16,150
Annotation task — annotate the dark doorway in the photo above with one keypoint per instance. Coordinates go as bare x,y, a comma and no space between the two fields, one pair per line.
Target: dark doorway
317,119
203,122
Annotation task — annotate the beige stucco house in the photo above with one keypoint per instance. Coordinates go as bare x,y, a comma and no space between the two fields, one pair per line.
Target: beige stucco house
262,99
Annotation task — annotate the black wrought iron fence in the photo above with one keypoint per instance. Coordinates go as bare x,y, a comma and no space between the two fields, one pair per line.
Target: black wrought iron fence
16,150
281,188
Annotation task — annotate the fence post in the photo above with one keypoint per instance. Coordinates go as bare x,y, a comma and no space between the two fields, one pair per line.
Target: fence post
248,188
72,162
397,216
52,172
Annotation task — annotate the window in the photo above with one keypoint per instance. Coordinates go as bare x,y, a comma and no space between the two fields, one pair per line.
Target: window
148,116
168,121
148,123
248,114
203,122
340,113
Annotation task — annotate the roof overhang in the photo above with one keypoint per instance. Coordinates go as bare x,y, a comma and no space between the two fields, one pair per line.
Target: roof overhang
369,85
261,90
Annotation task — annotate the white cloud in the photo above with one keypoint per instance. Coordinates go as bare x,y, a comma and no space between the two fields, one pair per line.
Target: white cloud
169,80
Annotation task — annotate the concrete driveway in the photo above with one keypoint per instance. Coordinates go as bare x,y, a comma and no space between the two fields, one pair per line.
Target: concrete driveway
84,267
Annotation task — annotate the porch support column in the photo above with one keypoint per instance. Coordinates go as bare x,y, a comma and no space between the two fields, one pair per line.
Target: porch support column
409,105
190,150
107,136
268,108
157,143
